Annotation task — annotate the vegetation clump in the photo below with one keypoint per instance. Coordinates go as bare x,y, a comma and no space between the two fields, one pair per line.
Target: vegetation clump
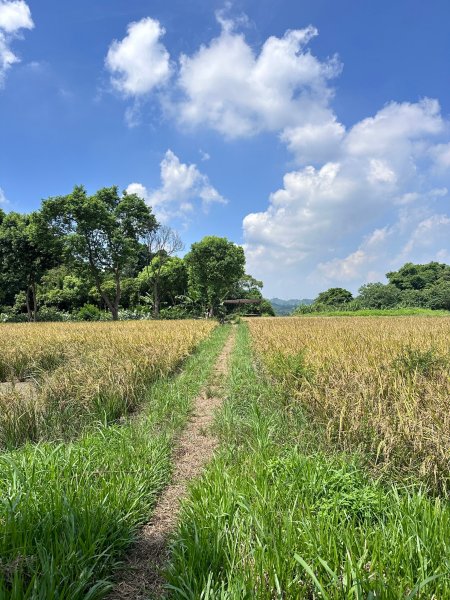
412,287
104,256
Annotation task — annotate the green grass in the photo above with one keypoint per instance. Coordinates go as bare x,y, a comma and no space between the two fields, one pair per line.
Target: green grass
69,511
275,517
378,312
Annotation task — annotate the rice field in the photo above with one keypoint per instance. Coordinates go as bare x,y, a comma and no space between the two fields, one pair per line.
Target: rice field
377,385
330,481
85,473
58,378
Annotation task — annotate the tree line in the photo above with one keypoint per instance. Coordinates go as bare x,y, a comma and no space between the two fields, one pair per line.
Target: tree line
412,286
84,256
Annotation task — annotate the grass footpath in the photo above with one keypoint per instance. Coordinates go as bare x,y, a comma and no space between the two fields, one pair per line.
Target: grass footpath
274,517
69,511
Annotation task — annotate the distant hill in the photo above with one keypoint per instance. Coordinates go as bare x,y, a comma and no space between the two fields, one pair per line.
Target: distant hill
285,307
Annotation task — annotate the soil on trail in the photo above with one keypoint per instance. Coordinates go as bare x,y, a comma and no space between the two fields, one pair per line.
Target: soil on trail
141,576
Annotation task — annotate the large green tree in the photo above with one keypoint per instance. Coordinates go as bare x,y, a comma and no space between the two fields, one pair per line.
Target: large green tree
172,280
102,234
334,297
27,250
215,265
378,295
162,244
418,277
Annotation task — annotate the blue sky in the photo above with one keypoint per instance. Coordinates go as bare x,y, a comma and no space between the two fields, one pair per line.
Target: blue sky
316,133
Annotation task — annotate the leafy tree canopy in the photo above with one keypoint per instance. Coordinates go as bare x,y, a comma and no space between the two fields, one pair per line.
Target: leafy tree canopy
334,297
418,277
27,250
172,279
102,234
438,295
215,265
378,295
63,290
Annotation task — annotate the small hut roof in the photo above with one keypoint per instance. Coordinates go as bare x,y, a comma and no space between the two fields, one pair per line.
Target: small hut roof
243,301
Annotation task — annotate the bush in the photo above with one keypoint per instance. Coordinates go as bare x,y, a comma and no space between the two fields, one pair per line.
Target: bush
12,317
134,315
175,312
89,312
413,299
48,313
378,295
438,296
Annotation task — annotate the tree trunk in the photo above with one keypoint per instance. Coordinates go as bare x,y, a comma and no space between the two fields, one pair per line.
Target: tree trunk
27,297
115,312
155,299
35,306
113,307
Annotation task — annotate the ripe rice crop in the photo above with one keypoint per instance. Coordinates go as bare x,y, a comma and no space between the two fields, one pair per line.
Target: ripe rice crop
276,516
381,386
69,511
60,377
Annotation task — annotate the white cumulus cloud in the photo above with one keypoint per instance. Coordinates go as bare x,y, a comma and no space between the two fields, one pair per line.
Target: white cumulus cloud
383,170
15,15
227,85
237,92
315,142
441,154
140,62
182,185
412,237
357,200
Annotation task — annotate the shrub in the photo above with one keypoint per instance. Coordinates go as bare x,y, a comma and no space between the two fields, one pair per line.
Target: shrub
133,315
378,295
439,296
48,313
89,312
175,312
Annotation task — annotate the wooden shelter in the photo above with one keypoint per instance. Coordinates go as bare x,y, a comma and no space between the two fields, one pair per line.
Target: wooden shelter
243,301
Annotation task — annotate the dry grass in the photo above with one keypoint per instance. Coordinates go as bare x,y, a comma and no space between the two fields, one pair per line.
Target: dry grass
377,385
83,372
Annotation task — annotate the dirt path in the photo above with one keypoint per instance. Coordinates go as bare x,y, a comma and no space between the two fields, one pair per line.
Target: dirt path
141,575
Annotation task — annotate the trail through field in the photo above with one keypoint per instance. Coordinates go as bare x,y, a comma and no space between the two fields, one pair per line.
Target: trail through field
141,577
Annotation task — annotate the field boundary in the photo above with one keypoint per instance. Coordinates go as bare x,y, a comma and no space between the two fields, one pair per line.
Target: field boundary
141,576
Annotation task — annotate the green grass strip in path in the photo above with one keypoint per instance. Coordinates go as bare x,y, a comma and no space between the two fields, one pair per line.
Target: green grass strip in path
69,511
274,518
